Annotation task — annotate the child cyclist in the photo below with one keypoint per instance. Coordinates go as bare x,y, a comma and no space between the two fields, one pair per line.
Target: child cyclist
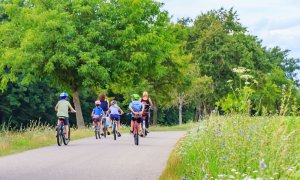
115,111
62,108
97,114
137,109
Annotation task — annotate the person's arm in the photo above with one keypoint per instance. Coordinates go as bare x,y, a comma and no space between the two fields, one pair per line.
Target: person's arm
121,111
56,108
93,113
72,110
150,102
108,111
132,110
143,108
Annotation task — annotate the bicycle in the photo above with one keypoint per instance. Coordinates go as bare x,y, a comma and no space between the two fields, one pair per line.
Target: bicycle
97,130
114,127
144,125
104,127
60,136
136,131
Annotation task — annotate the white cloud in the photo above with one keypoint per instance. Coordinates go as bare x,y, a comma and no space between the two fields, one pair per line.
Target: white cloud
276,22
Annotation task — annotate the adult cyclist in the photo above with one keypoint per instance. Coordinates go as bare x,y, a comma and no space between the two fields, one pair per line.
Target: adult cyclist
147,103
137,109
62,107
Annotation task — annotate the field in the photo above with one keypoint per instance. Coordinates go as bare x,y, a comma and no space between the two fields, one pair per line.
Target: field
238,147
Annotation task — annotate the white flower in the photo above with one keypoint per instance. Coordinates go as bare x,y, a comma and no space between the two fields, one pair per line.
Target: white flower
233,170
262,164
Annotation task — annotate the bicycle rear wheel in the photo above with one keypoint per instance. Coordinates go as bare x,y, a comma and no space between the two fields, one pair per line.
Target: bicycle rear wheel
104,130
66,142
136,135
59,135
96,131
114,130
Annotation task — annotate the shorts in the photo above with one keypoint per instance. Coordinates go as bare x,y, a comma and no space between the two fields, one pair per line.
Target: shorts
65,119
96,119
139,120
115,116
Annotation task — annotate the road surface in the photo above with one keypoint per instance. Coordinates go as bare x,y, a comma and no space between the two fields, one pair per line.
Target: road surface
94,159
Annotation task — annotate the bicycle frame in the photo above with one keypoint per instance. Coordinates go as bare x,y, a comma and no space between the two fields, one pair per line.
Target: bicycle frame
136,132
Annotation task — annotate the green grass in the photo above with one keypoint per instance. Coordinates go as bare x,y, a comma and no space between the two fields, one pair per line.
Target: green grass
37,135
238,147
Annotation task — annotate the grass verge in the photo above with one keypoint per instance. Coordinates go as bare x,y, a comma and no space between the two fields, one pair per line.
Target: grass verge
238,147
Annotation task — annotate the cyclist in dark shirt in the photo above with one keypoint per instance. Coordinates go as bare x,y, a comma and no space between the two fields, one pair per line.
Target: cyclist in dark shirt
147,104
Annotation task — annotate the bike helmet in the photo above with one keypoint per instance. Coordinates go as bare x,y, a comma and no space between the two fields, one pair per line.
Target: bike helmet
97,102
135,96
63,95
113,102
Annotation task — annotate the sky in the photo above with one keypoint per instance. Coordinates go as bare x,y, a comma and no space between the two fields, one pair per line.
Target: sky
275,22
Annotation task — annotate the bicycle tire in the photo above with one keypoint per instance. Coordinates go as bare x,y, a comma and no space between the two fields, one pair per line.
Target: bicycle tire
98,131
136,134
104,131
114,130
59,135
144,128
66,142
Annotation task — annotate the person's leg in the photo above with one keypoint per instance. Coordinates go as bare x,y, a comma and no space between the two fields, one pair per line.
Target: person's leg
66,123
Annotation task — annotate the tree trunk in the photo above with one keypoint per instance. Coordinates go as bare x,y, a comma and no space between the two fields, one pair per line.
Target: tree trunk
79,117
155,108
200,113
180,113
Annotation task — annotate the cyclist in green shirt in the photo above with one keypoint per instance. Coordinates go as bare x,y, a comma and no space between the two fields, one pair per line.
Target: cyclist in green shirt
62,108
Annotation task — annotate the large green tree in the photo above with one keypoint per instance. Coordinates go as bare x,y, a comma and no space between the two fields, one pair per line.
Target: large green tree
81,44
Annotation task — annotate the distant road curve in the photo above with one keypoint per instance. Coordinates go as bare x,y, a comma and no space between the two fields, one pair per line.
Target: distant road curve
94,159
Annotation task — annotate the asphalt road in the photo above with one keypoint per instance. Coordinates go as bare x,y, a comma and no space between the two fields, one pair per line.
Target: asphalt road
94,159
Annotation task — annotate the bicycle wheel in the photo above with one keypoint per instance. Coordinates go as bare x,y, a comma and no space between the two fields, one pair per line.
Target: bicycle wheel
136,138
104,130
66,142
114,130
144,129
59,135
96,133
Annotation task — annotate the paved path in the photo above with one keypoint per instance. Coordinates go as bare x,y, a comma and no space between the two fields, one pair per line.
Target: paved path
94,159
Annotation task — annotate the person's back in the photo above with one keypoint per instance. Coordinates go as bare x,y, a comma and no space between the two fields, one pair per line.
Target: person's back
136,106
63,108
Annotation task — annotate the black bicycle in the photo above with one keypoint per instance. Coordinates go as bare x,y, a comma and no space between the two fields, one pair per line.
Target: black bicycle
60,136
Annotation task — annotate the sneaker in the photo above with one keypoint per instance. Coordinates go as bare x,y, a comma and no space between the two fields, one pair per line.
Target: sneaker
131,131
102,134
147,131
108,133
119,134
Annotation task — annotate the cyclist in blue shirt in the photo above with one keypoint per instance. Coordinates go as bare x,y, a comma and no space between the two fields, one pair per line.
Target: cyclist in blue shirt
97,114
137,109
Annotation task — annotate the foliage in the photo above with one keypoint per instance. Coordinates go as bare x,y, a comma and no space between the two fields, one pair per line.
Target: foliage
240,147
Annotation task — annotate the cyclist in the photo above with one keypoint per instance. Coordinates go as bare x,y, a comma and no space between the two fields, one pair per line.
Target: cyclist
62,107
115,111
97,114
137,109
147,103
104,105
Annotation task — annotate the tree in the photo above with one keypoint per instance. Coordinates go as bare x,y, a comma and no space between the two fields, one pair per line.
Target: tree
82,44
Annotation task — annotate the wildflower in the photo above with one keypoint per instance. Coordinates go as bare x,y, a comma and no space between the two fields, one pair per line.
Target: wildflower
233,170
185,178
262,164
290,169
237,173
221,175
243,175
223,144
248,178
224,158
196,139
255,171
231,177
202,168
241,131
205,176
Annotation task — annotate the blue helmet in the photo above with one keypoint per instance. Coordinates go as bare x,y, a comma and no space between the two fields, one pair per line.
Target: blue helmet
63,95
113,102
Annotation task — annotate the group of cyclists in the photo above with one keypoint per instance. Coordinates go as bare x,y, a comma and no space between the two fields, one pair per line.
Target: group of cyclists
139,107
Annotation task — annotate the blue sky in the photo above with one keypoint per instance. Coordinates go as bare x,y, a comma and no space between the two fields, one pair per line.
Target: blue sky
275,22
